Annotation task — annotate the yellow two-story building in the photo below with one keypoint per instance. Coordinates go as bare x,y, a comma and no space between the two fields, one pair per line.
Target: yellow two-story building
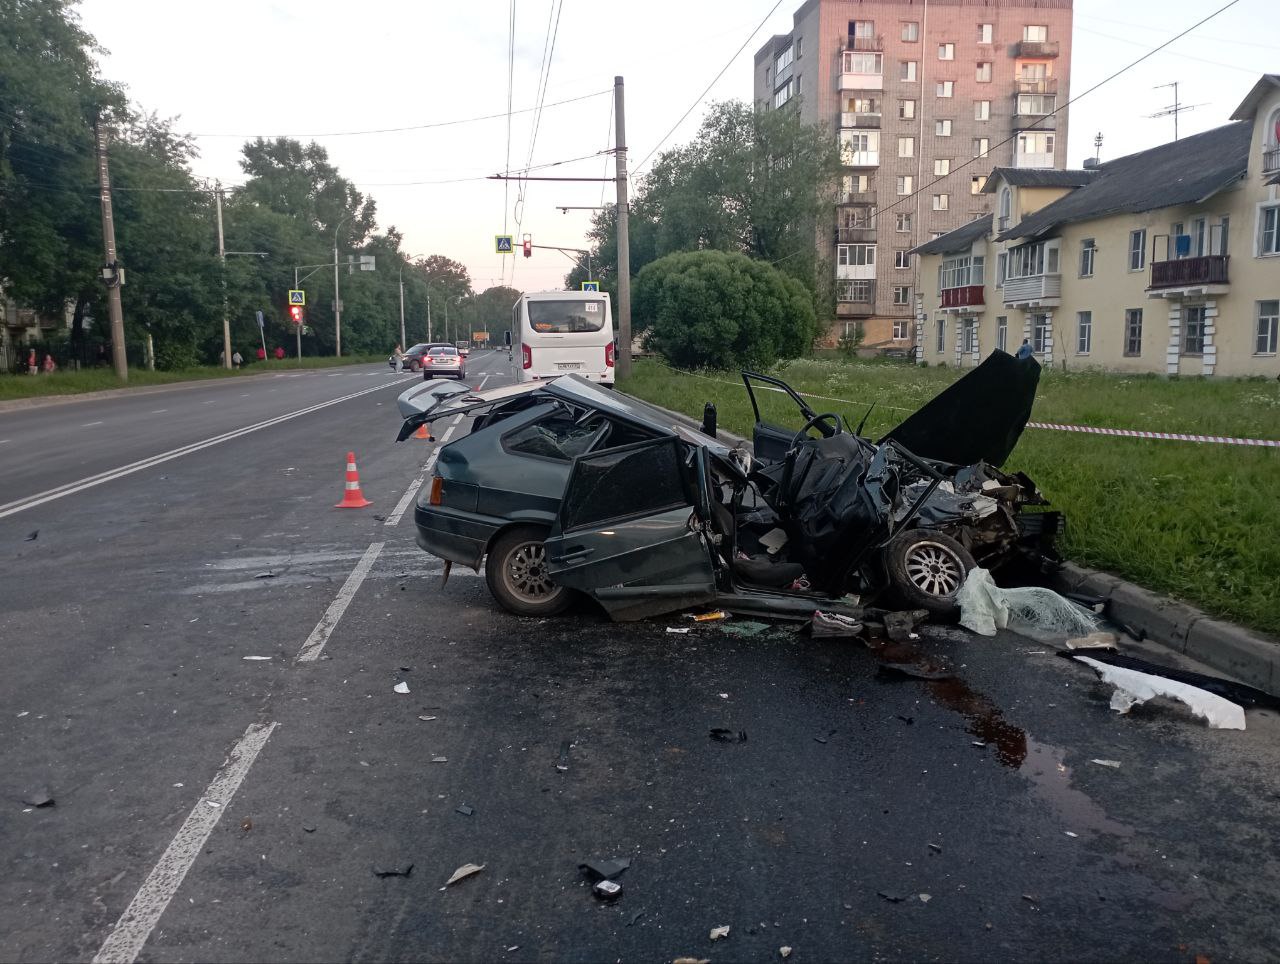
1164,261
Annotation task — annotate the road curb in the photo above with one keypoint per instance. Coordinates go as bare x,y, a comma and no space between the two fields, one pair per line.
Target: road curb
1228,648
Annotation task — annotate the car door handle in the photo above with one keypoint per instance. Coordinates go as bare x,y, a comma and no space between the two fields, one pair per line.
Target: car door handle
573,555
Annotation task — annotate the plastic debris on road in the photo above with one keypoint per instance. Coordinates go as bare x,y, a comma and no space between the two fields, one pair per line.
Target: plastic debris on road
607,890
1115,764
256,659
463,872
710,617
717,933
1133,688
33,536
604,869
402,688
562,762
465,809
39,798
744,627
682,630
725,735
784,951
1098,640
985,608
399,870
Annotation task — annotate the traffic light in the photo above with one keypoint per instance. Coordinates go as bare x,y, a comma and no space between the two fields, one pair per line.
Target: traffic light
297,314
528,246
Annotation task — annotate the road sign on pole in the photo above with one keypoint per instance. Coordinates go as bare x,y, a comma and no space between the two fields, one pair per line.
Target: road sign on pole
591,286
502,244
297,297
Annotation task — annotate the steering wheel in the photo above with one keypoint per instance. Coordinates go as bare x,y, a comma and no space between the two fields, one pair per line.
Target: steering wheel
835,427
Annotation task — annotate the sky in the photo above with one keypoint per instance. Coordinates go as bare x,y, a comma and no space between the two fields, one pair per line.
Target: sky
316,69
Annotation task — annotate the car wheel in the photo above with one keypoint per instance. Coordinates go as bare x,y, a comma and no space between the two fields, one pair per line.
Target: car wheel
516,571
927,569
414,366
426,376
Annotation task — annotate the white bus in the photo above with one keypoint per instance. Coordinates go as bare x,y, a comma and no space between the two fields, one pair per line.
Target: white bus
557,332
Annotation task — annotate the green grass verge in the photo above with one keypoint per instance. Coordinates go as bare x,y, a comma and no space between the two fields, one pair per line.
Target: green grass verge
1200,522
98,379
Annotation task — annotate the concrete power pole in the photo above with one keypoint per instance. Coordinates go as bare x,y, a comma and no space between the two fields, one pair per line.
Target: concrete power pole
624,235
403,346
222,258
111,272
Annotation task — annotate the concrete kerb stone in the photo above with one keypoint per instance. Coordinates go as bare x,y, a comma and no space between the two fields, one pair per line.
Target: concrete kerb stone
1230,649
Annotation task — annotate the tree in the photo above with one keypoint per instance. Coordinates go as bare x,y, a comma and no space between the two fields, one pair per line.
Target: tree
715,309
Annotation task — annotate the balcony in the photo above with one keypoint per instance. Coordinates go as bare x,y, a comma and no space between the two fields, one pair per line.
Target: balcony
1035,122
857,309
1039,159
1034,291
1181,277
858,235
855,272
857,197
1038,49
852,81
965,297
1271,160
866,43
856,120
1041,85
860,158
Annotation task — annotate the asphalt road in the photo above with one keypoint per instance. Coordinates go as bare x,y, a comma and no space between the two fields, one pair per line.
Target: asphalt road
210,807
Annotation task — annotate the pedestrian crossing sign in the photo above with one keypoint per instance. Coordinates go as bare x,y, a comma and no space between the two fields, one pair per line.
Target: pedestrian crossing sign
502,244
297,297
591,286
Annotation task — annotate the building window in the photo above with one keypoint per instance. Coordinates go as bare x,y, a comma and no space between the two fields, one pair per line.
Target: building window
941,166
899,329
906,109
1002,333
1037,105
982,74
935,235
901,296
902,259
942,202
942,128
908,71
1138,249
910,31
942,335
1193,330
946,88
783,94
982,110
783,60
977,183
1006,208
1034,259
1268,323
904,184
902,223
970,336
855,254
961,272
1269,236
946,51
1084,332
1087,250
1039,332
799,47
851,184
1002,268
1035,149
1035,34
986,32
862,30
853,292
906,147
863,63
859,148
1132,332
981,146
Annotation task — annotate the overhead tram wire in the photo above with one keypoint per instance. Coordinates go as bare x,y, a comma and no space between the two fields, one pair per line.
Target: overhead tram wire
636,170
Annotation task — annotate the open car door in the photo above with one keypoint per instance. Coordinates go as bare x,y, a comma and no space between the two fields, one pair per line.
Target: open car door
772,442
628,535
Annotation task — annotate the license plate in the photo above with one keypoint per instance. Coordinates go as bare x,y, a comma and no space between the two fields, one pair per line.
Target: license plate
566,366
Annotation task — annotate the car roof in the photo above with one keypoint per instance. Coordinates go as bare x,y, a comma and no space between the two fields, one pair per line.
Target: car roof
575,388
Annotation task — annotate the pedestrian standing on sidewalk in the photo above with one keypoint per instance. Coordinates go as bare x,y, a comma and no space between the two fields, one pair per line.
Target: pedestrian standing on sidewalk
50,366
32,366
236,359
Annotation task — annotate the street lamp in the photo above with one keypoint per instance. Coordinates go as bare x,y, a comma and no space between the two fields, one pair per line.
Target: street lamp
402,335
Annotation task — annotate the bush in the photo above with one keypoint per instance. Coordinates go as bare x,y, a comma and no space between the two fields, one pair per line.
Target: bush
716,309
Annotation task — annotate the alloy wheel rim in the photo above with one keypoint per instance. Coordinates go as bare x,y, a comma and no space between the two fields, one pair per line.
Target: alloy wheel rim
935,569
526,572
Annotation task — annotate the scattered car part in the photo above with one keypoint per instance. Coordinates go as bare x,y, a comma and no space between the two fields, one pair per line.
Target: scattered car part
607,890
399,870
463,872
985,607
1132,688
604,869
1247,696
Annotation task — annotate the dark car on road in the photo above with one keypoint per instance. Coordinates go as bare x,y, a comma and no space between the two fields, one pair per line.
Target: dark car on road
564,486
414,357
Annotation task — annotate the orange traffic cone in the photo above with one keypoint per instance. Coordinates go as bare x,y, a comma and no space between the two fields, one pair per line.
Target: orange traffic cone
352,498
423,433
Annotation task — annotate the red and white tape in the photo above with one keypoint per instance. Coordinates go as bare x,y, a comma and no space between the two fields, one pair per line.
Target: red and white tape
1170,436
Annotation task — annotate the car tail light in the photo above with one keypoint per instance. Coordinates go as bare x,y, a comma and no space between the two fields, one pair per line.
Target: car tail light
437,490
608,355
526,356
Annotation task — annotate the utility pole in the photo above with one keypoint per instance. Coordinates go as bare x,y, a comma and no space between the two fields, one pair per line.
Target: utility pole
624,236
403,346
429,333
112,274
337,297
222,259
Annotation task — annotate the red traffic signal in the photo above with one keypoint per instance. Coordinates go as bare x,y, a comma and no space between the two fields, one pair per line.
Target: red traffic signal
297,314
528,246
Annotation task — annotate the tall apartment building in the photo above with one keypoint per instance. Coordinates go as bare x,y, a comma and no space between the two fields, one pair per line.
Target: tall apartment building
914,90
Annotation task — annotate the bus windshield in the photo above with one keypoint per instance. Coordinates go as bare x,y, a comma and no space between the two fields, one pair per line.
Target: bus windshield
565,317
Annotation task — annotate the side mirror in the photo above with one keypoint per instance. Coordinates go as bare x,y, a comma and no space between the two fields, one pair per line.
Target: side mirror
506,337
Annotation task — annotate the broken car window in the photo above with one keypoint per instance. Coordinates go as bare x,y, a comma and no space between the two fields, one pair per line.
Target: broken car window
623,482
557,437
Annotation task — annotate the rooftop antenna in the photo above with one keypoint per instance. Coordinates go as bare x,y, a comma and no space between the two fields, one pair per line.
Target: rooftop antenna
1175,108
1097,148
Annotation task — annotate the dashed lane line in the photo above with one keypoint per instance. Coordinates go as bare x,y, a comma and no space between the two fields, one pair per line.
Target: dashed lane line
70,488
416,484
139,919
314,645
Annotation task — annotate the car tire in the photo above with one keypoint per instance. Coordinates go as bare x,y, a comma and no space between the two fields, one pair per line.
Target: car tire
426,376
927,568
515,569
414,366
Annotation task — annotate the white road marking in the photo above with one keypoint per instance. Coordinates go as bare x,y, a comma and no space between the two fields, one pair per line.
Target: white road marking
483,380
314,645
135,925
3,440
70,488
159,411
90,424
416,484
212,401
